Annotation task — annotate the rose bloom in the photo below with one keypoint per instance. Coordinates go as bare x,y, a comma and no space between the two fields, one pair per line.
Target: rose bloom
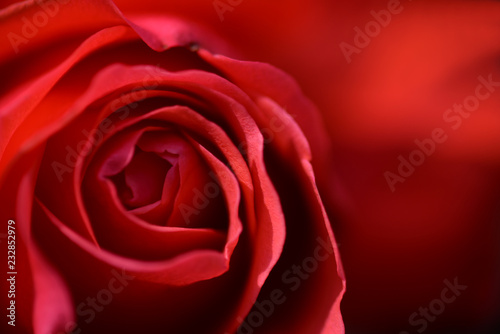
156,179
411,184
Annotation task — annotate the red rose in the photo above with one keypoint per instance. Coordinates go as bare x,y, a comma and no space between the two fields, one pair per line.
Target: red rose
150,182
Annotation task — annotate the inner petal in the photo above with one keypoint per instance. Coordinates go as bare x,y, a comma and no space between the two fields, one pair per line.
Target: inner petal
141,182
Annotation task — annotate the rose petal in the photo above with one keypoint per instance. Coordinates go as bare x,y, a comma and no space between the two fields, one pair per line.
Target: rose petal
52,307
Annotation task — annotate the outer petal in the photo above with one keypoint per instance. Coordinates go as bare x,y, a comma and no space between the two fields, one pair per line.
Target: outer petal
52,308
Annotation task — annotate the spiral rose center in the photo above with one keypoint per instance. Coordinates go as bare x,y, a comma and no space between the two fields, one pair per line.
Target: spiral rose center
141,182
157,175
